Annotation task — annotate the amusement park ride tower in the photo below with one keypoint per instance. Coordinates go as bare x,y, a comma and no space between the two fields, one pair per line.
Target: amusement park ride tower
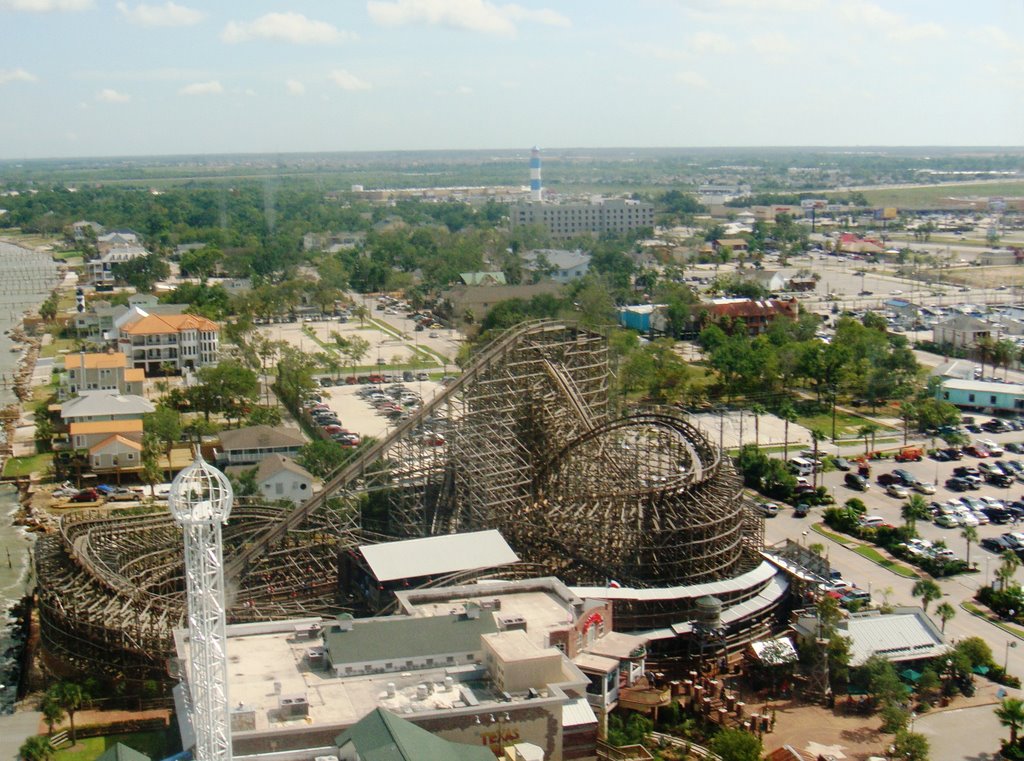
200,501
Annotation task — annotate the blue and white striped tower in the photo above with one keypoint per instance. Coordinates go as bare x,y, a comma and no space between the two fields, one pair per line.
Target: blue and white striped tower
535,194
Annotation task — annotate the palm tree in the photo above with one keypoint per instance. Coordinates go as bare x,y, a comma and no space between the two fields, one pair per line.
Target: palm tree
908,410
757,410
36,748
816,435
1011,714
788,415
912,508
970,535
52,711
71,697
945,611
1008,565
866,431
928,591
985,346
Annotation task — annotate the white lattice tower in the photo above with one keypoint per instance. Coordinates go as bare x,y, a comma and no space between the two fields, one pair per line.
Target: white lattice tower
200,500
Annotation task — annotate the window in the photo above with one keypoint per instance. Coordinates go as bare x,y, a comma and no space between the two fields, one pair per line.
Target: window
970,397
992,399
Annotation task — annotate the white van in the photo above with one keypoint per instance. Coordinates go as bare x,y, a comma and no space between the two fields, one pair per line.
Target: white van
801,467
872,521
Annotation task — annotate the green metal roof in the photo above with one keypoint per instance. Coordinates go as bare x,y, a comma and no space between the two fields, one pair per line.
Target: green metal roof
382,736
121,752
397,638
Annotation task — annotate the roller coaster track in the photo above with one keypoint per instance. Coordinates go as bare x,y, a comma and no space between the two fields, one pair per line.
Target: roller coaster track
357,467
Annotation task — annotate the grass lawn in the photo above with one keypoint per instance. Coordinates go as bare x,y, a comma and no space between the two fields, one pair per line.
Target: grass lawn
156,745
929,194
834,537
23,466
51,350
846,424
974,610
876,557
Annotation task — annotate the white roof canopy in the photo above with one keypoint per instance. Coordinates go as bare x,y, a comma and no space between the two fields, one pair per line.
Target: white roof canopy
434,555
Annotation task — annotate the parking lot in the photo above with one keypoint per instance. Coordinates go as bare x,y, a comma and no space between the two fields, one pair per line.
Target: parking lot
879,503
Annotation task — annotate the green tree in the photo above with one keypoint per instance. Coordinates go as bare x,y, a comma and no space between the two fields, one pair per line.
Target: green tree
970,535
736,745
788,415
757,410
321,458
817,435
911,746
915,507
227,387
1011,714
928,591
36,748
53,712
1008,565
72,697
944,611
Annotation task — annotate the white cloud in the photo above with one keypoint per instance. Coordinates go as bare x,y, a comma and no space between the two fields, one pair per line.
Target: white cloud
110,95
895,26
693,79
213,87
463,90
472,15
772,44
348,81
284,27
16,75
168,14
295,87
46,6
710,42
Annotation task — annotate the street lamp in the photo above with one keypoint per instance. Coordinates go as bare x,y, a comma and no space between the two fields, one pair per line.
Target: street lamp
1006,658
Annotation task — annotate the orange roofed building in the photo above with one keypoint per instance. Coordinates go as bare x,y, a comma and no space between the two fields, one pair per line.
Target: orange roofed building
92,371
754,314
183,341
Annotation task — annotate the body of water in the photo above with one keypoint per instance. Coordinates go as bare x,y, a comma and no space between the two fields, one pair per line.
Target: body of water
26,279
15,581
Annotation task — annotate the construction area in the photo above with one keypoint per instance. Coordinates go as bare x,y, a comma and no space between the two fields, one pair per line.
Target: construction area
525,441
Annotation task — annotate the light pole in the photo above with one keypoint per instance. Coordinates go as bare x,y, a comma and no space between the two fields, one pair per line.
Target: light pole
1006,658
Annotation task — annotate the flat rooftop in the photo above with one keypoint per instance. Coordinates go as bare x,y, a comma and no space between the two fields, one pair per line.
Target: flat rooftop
429,556
266,661
543,611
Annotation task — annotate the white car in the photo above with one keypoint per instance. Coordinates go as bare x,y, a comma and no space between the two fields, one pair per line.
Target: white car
897,490
967,518
924,487
993,448
992,502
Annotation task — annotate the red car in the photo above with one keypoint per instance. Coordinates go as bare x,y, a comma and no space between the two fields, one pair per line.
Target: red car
976,451
86,495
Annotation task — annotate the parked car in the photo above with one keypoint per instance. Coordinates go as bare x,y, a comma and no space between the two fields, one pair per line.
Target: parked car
946,520
996,544
993,449
897,490
1016,447
958,484
884,479
855,595
924,487
976,451
905,476
999,479
86,495
768,509
124,494
857,482
954,453
842,463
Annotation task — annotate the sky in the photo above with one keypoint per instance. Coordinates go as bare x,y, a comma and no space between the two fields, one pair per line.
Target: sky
123,78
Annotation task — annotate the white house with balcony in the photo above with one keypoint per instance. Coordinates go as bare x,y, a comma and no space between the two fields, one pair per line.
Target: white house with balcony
181,341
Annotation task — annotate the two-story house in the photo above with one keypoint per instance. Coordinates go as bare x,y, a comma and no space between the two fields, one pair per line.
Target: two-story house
181,341
98,371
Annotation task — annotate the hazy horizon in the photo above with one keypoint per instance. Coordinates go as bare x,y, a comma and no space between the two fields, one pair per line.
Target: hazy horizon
94,78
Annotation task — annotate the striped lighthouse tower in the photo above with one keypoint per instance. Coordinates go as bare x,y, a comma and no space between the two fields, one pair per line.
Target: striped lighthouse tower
535,192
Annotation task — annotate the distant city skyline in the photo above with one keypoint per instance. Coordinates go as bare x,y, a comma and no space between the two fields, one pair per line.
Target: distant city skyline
98,78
